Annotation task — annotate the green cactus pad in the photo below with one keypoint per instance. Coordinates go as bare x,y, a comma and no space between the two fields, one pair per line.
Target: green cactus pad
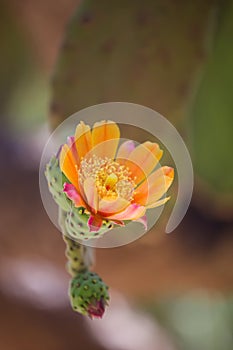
146,52
77,228
87,291
210,129
55,180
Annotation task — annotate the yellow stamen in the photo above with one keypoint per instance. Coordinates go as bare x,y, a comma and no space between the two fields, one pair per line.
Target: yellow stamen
111,178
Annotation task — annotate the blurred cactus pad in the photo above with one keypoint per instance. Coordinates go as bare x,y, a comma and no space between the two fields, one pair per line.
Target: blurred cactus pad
145,52
211,119
156,53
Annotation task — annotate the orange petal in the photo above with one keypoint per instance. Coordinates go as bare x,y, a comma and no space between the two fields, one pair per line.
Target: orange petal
125,149
110,206
132,212
68,166
143,159
155,186
91,194
105,138
72,146
83,139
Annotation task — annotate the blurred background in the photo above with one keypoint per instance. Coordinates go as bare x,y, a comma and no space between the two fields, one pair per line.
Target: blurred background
57,57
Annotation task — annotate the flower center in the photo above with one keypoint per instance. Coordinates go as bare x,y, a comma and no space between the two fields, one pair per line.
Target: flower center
111,181
111,178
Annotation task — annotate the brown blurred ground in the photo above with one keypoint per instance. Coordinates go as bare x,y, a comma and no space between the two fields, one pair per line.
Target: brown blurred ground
26,328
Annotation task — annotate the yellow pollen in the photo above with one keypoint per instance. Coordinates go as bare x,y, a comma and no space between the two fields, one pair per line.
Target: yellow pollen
112,179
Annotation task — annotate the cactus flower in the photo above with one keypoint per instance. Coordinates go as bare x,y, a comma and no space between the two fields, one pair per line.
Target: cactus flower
112,183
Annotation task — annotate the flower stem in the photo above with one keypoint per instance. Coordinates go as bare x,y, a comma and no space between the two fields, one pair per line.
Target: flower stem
80,257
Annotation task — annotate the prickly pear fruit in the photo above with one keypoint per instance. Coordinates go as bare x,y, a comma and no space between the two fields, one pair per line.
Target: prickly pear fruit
88,294
146,52
55,180
77,227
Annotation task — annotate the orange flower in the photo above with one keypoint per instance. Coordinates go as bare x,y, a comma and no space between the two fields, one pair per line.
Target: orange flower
113,185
